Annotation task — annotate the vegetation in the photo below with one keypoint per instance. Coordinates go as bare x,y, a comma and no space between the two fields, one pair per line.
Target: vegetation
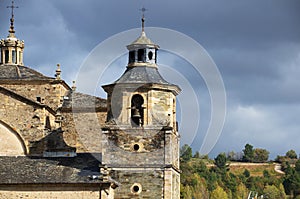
235,176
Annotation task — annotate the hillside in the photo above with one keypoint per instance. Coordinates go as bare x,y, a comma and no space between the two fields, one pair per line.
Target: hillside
204,178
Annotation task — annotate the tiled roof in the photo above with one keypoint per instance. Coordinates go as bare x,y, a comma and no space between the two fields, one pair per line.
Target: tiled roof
79,100
20,72
83,168
142,74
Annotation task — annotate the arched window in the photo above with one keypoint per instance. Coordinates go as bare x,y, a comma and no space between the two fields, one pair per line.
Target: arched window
11,142
6,56
137,111
13,57
141,55
131,56
1,55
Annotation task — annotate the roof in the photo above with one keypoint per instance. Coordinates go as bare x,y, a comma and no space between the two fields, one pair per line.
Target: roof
31,170
142,40
77,100
142,74
20,72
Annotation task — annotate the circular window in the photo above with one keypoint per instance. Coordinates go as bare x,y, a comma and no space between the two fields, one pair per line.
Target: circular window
150,55
136,188
136,147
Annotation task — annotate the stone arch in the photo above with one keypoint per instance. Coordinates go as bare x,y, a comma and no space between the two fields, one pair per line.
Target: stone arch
137,111
11,143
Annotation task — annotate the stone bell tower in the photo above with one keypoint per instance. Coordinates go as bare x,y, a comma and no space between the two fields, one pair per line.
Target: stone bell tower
11,48
140,140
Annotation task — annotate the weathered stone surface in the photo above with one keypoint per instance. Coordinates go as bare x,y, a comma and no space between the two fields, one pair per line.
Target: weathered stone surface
56,191
134,132
36,170
150,182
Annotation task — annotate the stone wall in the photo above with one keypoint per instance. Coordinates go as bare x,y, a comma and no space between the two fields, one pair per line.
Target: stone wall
147,159
139,183
159,107
27,120
45,92
134,147
55,191
83,130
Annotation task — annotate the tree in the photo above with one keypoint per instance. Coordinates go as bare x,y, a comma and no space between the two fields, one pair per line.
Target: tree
297,166
186,152
231,156
246,173
218,193
220,161
197,155
291,180
260,155
266,174
241,191
291,154
271,191
248,153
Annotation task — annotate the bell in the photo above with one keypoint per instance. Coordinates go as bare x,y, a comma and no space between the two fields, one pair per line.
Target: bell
136,113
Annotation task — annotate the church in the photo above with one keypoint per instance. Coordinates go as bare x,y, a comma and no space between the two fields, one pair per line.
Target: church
134,147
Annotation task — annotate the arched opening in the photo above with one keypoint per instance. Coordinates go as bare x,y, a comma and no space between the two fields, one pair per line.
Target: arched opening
141,55
150,55
137,111
11,142
13,56
131,56
1,55
6,56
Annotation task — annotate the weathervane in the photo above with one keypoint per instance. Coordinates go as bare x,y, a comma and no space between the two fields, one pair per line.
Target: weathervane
143,18
11,30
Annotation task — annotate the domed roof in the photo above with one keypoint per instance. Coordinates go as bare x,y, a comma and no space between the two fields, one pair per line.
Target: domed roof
13,72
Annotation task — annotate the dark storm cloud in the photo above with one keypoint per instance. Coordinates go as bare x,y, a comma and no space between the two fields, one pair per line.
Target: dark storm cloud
255,44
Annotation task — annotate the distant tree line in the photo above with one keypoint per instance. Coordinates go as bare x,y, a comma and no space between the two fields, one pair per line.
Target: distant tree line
204,178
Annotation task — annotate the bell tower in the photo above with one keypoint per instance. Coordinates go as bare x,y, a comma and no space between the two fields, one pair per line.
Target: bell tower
11,48
140,142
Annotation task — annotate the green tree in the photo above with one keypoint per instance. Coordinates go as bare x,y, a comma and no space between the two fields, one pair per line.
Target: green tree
260,155
241,192
220,161
271,191
246,173
197,155
282,192
248,153
291,180
266,174
186,192
297,166
186,152
291,154
218,193
231,156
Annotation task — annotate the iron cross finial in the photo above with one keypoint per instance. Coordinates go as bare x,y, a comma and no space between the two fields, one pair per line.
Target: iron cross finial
143,18
12,7
11,29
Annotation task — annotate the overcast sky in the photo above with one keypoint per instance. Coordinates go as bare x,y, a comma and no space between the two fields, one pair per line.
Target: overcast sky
255,45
